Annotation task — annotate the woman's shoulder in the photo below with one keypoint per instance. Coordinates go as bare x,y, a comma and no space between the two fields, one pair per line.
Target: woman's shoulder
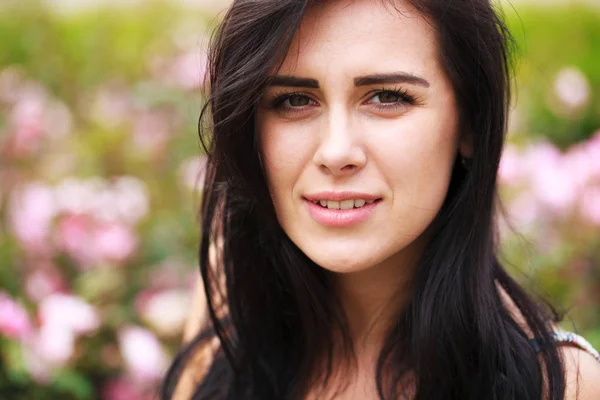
582,374
581,361
582,366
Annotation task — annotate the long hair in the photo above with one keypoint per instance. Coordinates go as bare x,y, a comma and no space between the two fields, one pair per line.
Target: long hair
274,311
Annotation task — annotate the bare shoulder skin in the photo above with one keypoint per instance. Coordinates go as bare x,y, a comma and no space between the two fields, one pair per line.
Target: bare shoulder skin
581,368
582,374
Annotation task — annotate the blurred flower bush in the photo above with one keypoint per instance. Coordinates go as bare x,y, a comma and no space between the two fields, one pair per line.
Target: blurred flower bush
550,171
100,162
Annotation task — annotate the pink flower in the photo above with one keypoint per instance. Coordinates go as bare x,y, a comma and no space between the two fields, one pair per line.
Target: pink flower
94,243
577,163
151,132
572,88
38,368
34,115
541,155
590,205
592,148
511,171
114,242
31,210
26,120
583,161
143,355
69,313
75,196
524,211
121,389
74,235
125,199
131,199
550,179
62,318
14,319
188,71
49,348
44,281
54,344
166,311
556,189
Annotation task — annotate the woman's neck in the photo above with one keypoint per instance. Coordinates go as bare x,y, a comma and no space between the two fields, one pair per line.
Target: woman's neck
373,297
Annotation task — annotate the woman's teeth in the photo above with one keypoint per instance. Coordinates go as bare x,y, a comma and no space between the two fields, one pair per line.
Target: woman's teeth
343,205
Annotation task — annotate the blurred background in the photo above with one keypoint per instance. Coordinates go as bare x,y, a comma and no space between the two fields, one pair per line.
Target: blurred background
99,160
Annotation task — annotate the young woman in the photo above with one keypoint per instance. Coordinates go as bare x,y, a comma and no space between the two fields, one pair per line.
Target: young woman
349,244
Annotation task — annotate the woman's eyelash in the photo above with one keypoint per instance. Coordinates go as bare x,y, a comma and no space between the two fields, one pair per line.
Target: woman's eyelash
399,92
280,97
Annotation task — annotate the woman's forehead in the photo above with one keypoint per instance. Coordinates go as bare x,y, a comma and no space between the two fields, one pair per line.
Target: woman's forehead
355,35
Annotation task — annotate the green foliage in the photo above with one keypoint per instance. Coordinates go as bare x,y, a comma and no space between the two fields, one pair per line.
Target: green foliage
71,53
550,39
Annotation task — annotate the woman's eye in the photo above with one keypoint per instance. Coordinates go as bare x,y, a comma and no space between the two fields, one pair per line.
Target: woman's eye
297,100
387,97
392,100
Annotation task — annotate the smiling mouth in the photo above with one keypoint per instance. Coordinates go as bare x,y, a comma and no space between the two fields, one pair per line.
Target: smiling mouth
342,212
343,204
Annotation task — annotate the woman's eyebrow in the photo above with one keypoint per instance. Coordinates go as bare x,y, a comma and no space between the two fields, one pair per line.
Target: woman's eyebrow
395,77
375,79
292,81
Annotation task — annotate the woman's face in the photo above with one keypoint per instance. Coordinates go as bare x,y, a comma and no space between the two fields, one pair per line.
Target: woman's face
358,134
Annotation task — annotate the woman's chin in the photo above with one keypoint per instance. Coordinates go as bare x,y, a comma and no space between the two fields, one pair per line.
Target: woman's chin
343,262
344,254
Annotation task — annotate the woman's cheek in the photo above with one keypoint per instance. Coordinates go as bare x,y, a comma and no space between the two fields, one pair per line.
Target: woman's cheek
282,152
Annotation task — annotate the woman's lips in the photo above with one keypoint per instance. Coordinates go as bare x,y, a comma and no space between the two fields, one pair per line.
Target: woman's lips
338,218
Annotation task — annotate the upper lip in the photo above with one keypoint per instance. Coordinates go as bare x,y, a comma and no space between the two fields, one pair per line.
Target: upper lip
340,196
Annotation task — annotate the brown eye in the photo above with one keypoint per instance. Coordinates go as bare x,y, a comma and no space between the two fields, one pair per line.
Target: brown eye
298,100
388,97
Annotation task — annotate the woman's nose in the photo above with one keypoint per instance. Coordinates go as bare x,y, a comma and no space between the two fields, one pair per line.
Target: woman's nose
340,150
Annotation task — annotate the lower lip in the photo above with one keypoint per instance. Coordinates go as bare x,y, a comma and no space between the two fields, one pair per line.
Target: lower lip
340,218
